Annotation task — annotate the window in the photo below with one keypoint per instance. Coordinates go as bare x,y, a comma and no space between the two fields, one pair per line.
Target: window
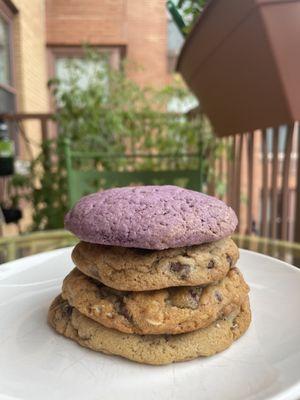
89,66
7,90
4,52
59,58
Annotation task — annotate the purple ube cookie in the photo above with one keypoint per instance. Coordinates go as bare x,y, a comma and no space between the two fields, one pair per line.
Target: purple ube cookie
150,217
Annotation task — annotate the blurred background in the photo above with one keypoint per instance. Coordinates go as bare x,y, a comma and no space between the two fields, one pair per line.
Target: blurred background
93,95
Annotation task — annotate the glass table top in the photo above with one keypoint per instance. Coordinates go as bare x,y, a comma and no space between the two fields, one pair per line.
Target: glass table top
12,248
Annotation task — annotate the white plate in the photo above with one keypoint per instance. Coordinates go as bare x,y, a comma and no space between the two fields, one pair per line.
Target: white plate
36,363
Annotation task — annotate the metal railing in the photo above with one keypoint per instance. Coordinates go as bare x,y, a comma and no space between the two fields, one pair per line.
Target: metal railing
259,170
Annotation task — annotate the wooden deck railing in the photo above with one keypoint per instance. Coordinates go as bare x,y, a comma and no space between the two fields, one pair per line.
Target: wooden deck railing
262,181
42,118
260,170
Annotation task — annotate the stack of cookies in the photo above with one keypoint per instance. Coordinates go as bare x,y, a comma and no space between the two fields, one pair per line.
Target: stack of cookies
155,278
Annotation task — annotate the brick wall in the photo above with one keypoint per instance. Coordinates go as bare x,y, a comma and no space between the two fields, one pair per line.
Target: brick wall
30,70
140,25
75,22
30,56
147,40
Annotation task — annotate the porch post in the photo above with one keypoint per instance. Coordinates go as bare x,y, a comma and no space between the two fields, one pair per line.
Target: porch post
297,217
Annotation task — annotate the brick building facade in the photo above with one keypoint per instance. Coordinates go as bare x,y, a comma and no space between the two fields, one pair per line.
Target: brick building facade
36,34
30,63
136,29
41,31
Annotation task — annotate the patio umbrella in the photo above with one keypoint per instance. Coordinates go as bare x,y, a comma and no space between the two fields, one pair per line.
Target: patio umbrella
242,61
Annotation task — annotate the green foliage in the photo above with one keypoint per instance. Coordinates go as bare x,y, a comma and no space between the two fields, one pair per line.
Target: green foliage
190,10
104,111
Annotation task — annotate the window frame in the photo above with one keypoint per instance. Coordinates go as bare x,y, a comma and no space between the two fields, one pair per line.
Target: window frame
7,12
117,54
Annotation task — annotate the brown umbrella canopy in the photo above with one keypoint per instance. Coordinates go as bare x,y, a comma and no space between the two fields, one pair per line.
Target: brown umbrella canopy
242,60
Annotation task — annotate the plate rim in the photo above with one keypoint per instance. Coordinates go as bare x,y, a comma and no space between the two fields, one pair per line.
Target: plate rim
291,393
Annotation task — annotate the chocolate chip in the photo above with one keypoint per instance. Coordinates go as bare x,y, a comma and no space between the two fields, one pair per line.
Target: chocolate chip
66,309
218,296
121,308
211,264
229,260
175,267
125,312
182,270
196,293
195,297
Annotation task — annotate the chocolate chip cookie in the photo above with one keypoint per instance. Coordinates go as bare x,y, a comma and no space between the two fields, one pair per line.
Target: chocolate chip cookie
138,269
149,349
173,310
